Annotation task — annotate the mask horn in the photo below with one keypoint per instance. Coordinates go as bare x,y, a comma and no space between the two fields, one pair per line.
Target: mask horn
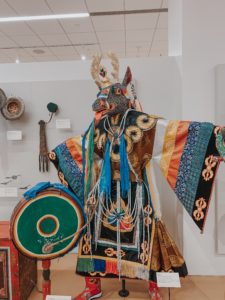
115,65
95,70
128,77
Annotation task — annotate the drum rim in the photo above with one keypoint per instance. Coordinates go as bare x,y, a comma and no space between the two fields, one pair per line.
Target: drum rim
23,203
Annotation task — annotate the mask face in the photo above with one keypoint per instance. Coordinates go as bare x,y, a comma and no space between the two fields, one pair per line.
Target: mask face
112,100
113,96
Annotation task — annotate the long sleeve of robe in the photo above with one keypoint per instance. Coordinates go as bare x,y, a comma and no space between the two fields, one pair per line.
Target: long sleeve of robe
188,155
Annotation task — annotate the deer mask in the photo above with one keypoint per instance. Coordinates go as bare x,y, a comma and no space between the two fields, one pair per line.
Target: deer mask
113,96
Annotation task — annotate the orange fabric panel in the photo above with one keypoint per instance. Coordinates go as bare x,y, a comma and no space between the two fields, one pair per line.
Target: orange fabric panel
111,267
181,137
168,146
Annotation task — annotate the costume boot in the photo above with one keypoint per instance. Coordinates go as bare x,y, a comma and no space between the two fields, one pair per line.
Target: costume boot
92,289
154,291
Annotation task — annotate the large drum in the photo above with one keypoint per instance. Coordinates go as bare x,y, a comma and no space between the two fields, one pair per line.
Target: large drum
49,224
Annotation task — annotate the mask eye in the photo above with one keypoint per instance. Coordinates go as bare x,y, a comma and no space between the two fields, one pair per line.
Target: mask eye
118,91
125,92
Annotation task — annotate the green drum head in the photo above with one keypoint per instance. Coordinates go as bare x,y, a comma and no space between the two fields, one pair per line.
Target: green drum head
42,226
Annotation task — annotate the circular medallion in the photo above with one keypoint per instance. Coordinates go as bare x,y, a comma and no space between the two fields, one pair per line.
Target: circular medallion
13,108
48,225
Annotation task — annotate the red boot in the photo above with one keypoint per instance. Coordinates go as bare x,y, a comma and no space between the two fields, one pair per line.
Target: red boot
92,289
154,291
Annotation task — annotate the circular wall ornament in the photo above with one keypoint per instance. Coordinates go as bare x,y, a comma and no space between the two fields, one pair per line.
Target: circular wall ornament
13,108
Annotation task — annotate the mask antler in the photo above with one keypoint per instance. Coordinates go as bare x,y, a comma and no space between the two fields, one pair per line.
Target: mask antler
115,65
95,66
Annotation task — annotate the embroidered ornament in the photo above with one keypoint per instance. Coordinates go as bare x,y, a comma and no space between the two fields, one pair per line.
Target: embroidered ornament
134,133
145,250
87,244
198,213
220,142
145,122
210,163
111,252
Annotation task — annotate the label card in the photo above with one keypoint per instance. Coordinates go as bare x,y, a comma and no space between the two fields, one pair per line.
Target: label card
63,123
56,297
168,280
15,135
8,192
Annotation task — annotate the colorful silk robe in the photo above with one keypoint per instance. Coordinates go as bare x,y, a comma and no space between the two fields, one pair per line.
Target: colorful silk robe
138,245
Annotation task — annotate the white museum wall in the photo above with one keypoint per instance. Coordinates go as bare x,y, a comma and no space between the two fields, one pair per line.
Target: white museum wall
69,84
203,47
175,27
220,184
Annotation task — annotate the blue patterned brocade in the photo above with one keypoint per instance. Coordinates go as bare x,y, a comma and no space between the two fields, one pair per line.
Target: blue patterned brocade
70,169
191,163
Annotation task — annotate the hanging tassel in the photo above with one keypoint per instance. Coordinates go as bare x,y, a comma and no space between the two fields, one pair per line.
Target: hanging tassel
139,201
90,155
118,207
124,168
84,157
98,214
43,152
105,180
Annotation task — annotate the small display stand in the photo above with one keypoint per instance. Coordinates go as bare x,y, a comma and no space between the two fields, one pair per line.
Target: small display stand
123,292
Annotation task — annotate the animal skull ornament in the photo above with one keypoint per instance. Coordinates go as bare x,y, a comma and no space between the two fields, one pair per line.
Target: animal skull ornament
113,96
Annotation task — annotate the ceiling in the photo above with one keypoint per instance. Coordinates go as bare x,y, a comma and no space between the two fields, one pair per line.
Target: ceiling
129,35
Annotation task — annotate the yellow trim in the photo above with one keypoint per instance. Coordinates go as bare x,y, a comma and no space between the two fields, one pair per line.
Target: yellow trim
148,173
51,233
168,146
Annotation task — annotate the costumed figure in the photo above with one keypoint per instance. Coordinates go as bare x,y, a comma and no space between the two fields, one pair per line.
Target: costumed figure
111,171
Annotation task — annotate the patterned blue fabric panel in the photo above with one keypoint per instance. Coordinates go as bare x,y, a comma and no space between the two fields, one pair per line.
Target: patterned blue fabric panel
186,165
197,163
70,169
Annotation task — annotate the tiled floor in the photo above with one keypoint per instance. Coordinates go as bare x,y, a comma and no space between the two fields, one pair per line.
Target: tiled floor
65,282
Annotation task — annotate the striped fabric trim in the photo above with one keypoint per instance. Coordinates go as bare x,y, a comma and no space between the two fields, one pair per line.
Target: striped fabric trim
159,139
181,138
168,146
